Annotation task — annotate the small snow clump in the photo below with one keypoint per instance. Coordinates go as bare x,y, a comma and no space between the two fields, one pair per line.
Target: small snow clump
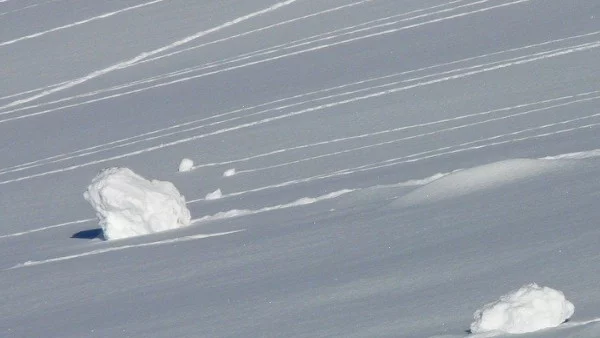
129,205
215,195
186,165
529,309
229,172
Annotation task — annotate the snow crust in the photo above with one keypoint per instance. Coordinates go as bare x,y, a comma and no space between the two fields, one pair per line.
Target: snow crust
129,205
186,165
529,309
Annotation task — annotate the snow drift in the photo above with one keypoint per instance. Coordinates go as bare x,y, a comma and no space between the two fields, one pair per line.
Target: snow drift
531,308
129,205
467,181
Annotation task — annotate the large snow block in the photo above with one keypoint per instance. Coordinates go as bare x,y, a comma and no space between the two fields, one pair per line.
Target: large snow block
129,205
529,309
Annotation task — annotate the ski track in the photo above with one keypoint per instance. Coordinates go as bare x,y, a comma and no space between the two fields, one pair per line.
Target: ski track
448,150
414,157
120,248
228,214
78,23
142,56
369,146
287,22
28,7
560,52
47,228
193,69
403,128
92,150
299,202
225,39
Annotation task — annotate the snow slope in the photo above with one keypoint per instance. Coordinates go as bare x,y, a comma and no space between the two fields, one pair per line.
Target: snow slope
398,164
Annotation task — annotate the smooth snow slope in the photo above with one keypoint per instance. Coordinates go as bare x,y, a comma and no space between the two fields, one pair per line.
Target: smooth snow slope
389,178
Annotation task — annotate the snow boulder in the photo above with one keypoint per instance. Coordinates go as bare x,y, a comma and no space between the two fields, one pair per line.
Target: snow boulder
186,165
531,308
129,205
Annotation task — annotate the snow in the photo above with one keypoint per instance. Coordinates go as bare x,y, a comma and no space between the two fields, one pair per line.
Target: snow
397,164
129,205
529,309
186,165
472,180
215,195
229,172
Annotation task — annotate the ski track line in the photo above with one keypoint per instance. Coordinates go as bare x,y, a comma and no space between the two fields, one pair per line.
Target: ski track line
328,35
132,142
168,75
222,215
435,132
307,110
299,202
154,78
142,56
286,22
413,158
402,160
122,247
78,23
29,7
387,131
236,59
177,73
47,228
283,100
31,91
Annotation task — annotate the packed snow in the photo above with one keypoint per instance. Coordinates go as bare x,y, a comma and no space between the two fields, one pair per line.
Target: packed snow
529,309
186,165
129,205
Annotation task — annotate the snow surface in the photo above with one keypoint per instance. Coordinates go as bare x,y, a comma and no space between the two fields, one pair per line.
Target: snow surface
531,308
186,165
129,205
398,164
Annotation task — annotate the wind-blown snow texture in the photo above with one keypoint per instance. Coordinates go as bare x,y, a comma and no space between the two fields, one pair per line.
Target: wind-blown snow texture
398,164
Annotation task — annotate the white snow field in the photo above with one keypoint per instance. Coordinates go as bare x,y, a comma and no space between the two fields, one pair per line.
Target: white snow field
398,164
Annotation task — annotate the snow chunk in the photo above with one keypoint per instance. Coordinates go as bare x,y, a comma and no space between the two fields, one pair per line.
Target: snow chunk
186,165
531,308
229,172
215,195
129,205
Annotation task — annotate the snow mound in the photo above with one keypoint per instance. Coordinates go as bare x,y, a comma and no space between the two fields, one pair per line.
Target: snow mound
129,205
186,165
529,309
229,172
467,181
215,195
